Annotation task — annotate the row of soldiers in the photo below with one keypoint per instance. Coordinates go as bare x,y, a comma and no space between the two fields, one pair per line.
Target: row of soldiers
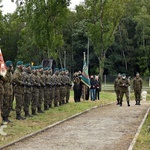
33,86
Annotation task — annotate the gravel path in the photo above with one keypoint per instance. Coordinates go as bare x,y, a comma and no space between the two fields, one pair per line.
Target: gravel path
105,128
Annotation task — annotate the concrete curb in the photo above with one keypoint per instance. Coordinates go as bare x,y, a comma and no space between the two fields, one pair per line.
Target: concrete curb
138,131
51,126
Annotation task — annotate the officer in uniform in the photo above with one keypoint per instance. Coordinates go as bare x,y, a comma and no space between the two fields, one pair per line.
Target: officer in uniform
42,82
57,87
77,87
68,86
19,89
27,89
46,89
124,84
7,92
137,87
35,89
51,88
62,87
1,95
117,88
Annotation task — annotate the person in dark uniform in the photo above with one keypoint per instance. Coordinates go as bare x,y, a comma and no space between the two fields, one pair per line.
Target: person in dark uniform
77,88
98,87
137,87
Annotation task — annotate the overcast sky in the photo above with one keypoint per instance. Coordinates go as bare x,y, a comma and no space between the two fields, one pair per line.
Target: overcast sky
9,7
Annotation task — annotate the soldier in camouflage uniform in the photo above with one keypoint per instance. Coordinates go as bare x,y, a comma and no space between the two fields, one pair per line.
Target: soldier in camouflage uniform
68,85
46,89
117,88
124,84
57,88
62,87
137,87
51,88
41,95
7,92
1,95
19,89
35,89
27,89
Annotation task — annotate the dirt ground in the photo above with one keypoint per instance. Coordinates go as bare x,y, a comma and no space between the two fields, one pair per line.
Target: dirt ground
109,127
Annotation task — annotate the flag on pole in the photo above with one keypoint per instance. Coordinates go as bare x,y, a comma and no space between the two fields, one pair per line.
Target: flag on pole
85,73
2,65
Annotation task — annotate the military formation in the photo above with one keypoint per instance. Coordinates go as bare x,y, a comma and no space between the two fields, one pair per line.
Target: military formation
121,87
34,88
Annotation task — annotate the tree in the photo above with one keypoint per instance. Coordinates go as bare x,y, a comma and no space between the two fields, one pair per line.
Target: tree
104,18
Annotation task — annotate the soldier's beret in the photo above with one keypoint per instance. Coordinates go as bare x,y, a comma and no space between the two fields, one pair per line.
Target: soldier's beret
56,69
33,67
46,68
27,65
123,74
40,67
8,63
19,63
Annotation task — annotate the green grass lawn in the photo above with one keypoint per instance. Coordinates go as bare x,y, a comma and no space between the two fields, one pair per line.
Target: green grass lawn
143,140
19,129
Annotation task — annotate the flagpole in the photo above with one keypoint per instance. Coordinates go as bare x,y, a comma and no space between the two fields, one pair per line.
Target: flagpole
84,84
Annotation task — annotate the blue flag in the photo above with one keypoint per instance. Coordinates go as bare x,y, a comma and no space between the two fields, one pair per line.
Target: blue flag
85,74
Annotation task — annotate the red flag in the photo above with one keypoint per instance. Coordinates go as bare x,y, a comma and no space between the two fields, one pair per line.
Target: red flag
2,65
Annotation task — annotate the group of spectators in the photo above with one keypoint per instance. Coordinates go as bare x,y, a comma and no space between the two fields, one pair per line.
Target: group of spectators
85,92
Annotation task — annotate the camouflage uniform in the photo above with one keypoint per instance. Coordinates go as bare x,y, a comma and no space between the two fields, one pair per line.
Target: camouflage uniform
1,96
27,91
137,87
124,84
35,91
57,89
62,88
117,88
7,95
18,90
51,89
41,90
68,86
46,89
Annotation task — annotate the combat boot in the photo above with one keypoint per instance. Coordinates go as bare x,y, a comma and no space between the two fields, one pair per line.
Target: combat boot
19,117
136,103
27,114
63,101
120,104
5,119
45,107
128,103
55,105
50,105
39,110
34,113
